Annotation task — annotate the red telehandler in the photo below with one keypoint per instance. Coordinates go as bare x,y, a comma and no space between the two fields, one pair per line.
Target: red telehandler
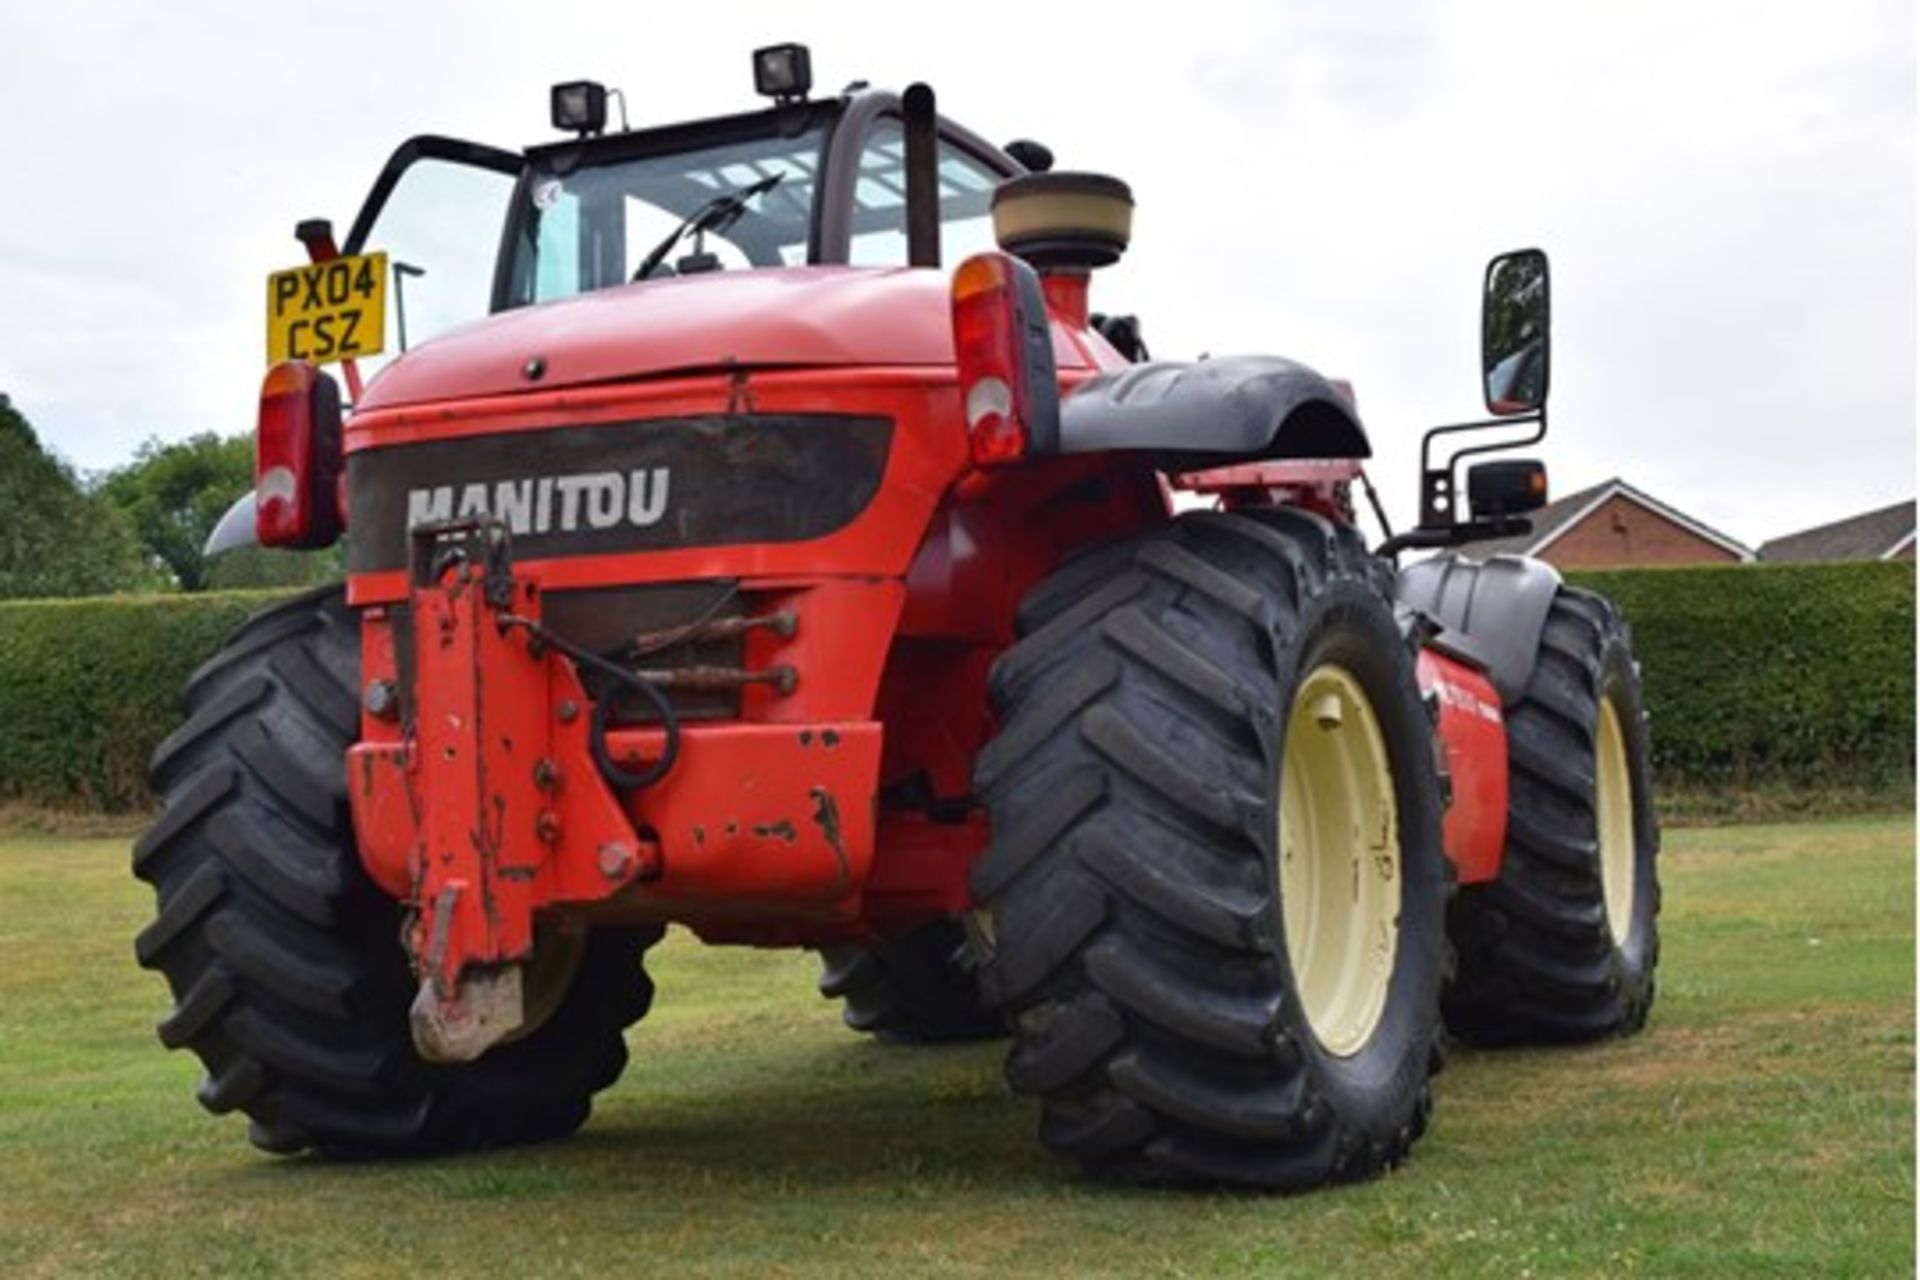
782,548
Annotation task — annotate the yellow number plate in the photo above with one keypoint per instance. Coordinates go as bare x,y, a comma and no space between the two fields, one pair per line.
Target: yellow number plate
328,311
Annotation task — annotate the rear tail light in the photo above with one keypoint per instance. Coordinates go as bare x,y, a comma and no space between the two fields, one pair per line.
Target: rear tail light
1003,347
296,458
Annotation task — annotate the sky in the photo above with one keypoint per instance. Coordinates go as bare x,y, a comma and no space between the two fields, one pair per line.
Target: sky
1726,191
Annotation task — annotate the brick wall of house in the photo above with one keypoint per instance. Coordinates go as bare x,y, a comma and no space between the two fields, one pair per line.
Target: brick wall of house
1621,533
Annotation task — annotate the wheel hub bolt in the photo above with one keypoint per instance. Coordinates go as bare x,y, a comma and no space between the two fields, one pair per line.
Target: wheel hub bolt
383,700
615,859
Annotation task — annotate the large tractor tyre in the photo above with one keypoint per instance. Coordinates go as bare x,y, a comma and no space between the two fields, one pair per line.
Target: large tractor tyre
1562,946
1214,902
914,989
284,959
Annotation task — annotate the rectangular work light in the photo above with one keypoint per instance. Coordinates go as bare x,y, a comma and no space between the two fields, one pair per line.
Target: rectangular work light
580,106
783,72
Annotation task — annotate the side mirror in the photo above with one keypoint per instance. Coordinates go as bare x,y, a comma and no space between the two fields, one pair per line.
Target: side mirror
1515,333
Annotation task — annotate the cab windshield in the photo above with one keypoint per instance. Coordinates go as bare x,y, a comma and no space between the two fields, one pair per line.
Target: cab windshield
580,228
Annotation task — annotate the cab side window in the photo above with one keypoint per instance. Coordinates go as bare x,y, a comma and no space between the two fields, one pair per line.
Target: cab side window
440,228
880,201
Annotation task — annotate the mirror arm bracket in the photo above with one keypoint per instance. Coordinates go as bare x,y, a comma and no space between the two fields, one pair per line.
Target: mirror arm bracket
1454,535
1436,483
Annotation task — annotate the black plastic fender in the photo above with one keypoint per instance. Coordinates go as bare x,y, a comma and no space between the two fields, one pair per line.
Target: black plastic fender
1491,612
1212,412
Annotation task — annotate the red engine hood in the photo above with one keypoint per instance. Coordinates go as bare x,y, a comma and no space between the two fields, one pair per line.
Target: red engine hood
796,316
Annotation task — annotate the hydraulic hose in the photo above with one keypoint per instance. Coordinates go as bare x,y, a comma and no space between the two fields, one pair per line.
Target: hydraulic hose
618,776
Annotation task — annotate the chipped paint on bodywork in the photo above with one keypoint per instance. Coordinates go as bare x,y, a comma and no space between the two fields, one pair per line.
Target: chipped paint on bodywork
827,815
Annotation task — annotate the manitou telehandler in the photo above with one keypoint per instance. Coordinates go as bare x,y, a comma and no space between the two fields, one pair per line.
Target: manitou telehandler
781,548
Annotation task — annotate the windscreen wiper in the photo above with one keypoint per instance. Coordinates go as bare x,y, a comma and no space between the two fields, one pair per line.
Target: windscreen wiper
716,214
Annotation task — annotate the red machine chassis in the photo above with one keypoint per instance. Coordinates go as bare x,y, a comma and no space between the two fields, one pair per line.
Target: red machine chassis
487,808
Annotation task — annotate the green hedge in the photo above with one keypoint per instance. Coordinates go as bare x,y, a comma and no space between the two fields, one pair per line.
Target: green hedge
1775,675
89,687
1757,677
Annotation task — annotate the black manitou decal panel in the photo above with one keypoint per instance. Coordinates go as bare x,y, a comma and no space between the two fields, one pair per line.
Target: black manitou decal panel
628,486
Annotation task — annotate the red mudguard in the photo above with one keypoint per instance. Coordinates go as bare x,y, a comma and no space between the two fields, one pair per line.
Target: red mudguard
1473,743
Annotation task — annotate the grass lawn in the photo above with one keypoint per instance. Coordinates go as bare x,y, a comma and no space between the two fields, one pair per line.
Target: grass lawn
1762,1125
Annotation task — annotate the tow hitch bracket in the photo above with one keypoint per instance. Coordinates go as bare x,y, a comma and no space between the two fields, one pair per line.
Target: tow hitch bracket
511,810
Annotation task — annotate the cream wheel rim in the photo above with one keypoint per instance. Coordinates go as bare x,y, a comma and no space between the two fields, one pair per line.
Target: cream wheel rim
1339,856
1613,805
547,978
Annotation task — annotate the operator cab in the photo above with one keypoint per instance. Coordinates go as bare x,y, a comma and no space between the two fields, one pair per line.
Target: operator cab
471,230
814,183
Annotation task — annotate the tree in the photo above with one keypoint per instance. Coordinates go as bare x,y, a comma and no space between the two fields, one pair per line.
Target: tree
56,539
174,494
